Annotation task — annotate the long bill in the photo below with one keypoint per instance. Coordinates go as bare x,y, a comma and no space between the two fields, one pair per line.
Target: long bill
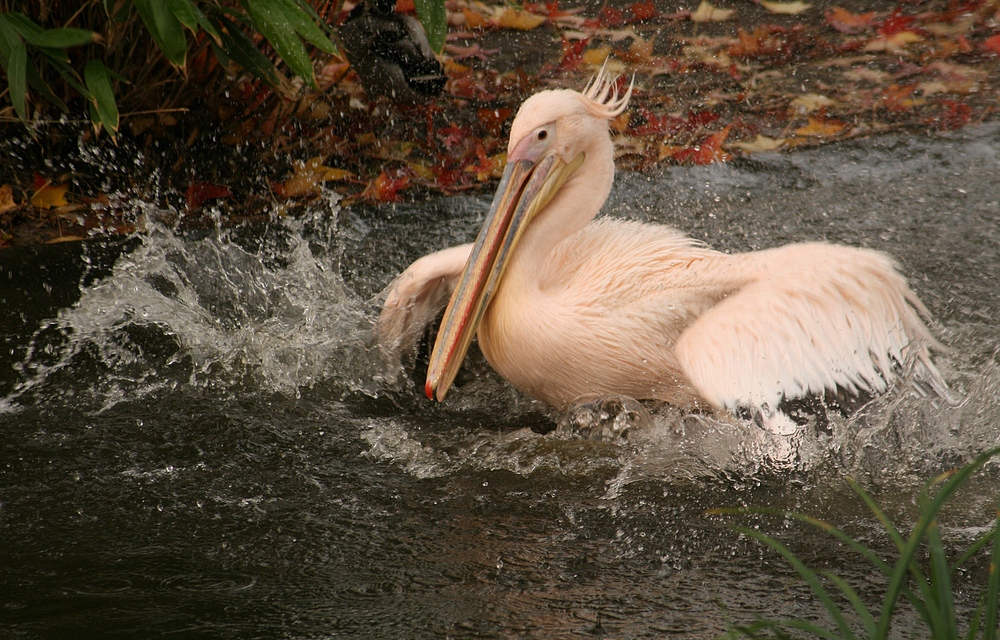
525,188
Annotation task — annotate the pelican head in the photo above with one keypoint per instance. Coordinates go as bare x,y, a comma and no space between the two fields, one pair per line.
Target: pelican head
554,134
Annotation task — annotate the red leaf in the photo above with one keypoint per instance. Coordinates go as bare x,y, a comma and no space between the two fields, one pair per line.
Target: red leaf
954,114
644,10
200,192
993,44
611,17
846,22
895,23
708,151
572,53
386,187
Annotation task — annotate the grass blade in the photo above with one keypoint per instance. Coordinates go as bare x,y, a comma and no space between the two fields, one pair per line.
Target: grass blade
941,581
993,588
807,574
852,596
909,550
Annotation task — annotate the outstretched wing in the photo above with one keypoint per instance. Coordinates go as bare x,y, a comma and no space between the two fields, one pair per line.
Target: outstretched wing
813,317
412,301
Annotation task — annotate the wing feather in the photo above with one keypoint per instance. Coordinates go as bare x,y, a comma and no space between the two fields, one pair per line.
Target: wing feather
814,317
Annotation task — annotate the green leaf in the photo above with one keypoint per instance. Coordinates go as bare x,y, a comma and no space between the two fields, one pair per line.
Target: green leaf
993,588
434,18
165,28
237,46
305,25
98,81
62,38
808,575
22,24
35,82
17,71
279,32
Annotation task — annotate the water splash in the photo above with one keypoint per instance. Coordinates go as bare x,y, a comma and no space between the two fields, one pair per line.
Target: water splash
269,316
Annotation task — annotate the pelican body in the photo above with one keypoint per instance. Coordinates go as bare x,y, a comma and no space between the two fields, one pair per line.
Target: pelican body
566,307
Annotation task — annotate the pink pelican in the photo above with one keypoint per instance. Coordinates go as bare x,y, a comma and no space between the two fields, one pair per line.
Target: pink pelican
567,307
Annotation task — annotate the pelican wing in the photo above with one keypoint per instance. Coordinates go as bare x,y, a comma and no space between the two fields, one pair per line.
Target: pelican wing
813,317
412,302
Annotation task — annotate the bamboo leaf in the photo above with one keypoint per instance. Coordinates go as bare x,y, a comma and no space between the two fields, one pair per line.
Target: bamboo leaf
280,33
62,38
98,81
36,82
17,71
165,28
305,25
21,24
237,46
434,18
941,575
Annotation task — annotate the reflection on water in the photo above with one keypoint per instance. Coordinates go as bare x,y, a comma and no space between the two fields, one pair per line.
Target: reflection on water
195,443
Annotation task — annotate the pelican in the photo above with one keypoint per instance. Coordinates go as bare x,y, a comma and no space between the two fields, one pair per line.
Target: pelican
567,307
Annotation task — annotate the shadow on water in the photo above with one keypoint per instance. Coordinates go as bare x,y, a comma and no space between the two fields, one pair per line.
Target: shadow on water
195,442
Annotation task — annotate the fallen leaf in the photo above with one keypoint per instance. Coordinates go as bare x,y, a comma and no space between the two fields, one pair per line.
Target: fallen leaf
308,176
707,13
49,195
759,144
7,199
494,119
640,51
386,187
876,76
810,102
846,22
895,22
893,43
707,151
785,8
992,44
899,97
820,128
572,53
474,19
954,114
200,192
644,10
511,18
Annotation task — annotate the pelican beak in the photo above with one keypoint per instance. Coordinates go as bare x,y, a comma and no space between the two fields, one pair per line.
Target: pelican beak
525,188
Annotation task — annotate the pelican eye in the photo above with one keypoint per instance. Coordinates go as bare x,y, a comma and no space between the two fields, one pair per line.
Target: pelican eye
543,134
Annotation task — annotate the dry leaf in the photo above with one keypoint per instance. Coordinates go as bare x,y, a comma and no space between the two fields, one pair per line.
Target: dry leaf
810,102
7,199
707,13
846,22
760,144
785,8
308,176
893,43
820,128
50,195
868,75
511,18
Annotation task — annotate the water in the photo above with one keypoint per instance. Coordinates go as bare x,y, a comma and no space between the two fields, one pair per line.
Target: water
196,443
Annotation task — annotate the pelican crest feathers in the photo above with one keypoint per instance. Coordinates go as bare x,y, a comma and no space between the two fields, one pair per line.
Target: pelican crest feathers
601,98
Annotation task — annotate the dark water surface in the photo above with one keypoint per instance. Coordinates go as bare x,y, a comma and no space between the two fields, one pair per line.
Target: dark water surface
195,442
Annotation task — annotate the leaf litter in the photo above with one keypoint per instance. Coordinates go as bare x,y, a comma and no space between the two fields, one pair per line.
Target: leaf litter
713,81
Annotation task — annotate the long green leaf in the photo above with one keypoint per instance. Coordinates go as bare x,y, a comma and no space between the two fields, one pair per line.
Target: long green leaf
99,83
165,28
22,24
993,588
852,596
8,38
62,38
36,82
808,575
17,73
304,25
941,575
282,36
906,556
434,18
240,49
